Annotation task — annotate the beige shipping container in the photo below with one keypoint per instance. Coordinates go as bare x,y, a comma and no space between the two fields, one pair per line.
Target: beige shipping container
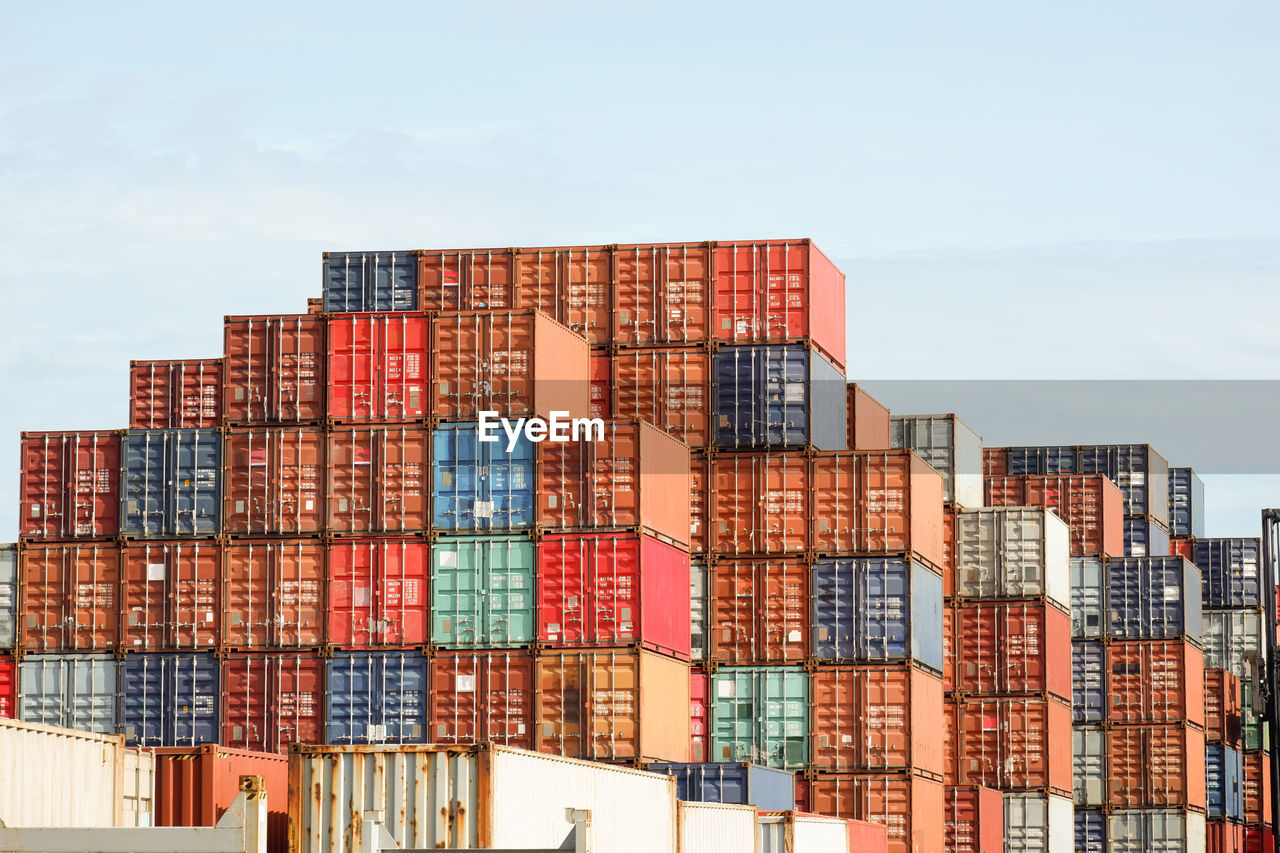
792,832
717,828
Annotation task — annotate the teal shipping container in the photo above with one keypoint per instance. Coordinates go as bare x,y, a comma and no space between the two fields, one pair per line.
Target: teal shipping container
760,714
482,592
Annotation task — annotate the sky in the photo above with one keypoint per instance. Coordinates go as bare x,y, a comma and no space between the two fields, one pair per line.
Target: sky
1015,191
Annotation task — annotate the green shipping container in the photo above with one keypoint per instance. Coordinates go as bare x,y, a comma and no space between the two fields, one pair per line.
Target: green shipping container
1252,731
482,592
761,714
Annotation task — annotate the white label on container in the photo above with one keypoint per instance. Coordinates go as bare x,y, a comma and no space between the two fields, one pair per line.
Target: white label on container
309,505
155,571
482,509
793,392
793,636
465,684
448,559
1172,593
725,688
376,732
35,510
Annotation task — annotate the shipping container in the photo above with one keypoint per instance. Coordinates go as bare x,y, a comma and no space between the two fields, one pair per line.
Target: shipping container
1141,473
793,832
273,593
169,595
1221,707
614,589
1013,647
1155,681
481,485
1012,552
1042,461
196,785
479,697
911,808
273,481
8,596
975,820
1145,537
378,592
699,715
618,704
8,686
950,447
376,480
1186,503
948,646
995,462
740,783
1253,734
1089,766
776,292
662,294
68,598
70,485
1224,777
670,387
1091,506
1155,766
170,483
272,699
170,699
1182,547
477,280
1155,831
601,387
1089,681
760,714
273,371
71,691
776,397
1222,836
1259,839
760,503
699,503
1015,743
1151,598
573,285
876,719
949,550
876,502
636,477
377,367
1230,572
483,591
716,828
1034,823
1234,640
175,394
759,611
868,421
1088,597
699,600
876,610
370,281
376,697
1256,787
1091,831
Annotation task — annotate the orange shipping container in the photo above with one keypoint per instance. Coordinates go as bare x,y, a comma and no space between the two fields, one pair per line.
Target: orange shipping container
1221,707
273,593
698,708
1091,505
175,394
760,503
995,462
910,807
515,363
1155,681
1224,837
273,480
1019,744
601,387
479,697
272,699
949,550
377,480
759,611
950,740
195,785
1257,788
1155,767
876,719
612,705
478,280
571,284
948,648
273,370
1013,647
70,484
662,294
975,820
699,502
868,421
68,597
670,387
169,595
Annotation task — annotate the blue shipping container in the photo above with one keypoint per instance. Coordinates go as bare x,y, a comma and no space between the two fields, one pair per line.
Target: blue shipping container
1145,537
479,485
1041,461
777,396
1230,571
1186,503
1141,474
1224,782
1091,831
376,697
1088,681
1153,598
877,610
170,699
370,281
767,788
171,482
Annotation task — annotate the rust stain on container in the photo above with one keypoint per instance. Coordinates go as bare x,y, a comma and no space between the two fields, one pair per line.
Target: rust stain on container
169,595
70,485
868,421
1013,647
273,370
479,697
670,387
273,480
573,285
1155,766
1016,744
662,294
377,480
68,597
1155,681
476,280
759,503
175,394
759,611
1090,504
273,593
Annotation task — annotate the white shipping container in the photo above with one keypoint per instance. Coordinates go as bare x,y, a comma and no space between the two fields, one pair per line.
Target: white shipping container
950,447
1089,766
8,595
1233,638
1013,552
789,832
1155,831
717,828
1037,824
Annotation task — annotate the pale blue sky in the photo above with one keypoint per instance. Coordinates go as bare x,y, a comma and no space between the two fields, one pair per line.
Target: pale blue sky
1015,190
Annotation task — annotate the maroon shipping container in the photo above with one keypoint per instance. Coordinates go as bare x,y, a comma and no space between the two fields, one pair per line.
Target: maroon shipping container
476,280
662,294
950,728
9,686
601,387
378,592
195,785
272,699
1091,505
70,484
948,647
759,503
910,807
1013,647
1221,707
273,593
1257,788
613,589
571,284
377,480
975,820
995,462
758,611
670,387
779,291
273,370
68,597
378,367
699,503
868,421
169,595
1155,767
482,696
1018,744
699,708
175,394
273,481
1155,681
949,550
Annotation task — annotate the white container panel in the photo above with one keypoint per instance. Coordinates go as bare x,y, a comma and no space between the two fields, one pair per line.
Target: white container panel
1037,824
1062,825
1088,615
1057,558
717,828
950,447
820,834
1013,552
968,466
1156,831
138,788
1231,639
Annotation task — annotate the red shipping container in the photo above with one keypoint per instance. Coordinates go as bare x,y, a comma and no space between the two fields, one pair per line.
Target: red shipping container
70,484
1259,840
1180,546
476,280
868,421
636,477
867,836
911,808
759,503
9,686
949,550
1017,744
995,462
779,291
1222,836
1257,788
975,820
517,364
175,394
1221,707
378,592
876,719
950,741
272,699
195,785
877,503
1013,647
479,697
273,593
169,595
802,795
1155,681
1091,505
68,597
1155,767
758,611
378,367
273,371
378,480
662,294
948,648
699,705
601,387
273,480
613,589
670,387
699,502
571,284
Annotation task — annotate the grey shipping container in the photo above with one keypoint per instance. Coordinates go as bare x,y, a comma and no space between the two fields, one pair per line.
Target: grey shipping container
1233,640
1088,597
70,691
698,600
1152,598
1140,472
370,281
1091,831
740,783
1230,571
8,595
1145,537
950,447
170,482
1088,681
1013,552
1186,503
1034,823
1089,766
777,396
1156,831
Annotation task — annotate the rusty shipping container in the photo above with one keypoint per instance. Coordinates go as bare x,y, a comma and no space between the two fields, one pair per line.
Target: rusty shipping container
1155,681
273,370
699,503
1013,647
1092,507
571,284
70,485
662,294
175,394
1257,788
910,807
378,592
273,481
378,367
948,646
169,595
1221,707
1223,836
272,699
758,611
868,421
273,593
975,820
1015,744
949,550
601,387
68,597
670,387
479,697
472,280
760,503
377,480
195,785
1155,766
